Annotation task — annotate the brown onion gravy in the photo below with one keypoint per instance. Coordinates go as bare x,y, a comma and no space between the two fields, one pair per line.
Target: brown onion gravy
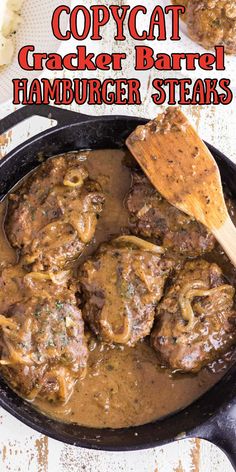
124,386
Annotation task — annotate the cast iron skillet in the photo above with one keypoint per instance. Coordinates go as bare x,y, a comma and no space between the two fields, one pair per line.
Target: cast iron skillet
213,416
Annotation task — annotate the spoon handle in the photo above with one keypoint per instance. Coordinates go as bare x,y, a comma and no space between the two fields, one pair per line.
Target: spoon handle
226,236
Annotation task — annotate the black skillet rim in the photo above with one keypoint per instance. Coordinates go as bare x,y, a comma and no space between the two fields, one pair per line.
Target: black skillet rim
149,438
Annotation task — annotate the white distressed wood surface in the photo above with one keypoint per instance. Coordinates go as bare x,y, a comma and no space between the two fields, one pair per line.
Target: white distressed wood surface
22,449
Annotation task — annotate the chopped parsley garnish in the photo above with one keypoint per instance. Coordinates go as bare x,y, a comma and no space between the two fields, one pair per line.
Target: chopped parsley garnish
59,305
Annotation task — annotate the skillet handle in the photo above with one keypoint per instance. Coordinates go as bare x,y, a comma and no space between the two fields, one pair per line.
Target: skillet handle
61,115
221,431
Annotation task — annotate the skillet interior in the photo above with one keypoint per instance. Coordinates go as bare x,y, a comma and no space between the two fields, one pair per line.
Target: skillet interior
95,133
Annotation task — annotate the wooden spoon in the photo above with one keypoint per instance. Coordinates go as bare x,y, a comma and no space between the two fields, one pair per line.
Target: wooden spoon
182,169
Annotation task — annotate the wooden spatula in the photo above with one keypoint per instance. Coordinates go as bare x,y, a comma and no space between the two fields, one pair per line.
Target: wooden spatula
182,169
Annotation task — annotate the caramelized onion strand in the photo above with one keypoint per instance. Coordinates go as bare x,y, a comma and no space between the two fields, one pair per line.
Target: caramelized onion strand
119,338
194,289
141,243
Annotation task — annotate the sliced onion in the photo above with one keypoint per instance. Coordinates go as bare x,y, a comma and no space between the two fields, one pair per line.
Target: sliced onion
194,289
141,243
59,278
75,177
37,276
5,362
8,322
119,338
16,357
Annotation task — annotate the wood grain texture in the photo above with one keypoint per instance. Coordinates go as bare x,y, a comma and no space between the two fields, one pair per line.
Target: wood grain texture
24,450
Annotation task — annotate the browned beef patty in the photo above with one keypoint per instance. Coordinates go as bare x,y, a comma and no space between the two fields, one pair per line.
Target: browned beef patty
212,23
121,286
196,320
43,345
151,216
53,214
